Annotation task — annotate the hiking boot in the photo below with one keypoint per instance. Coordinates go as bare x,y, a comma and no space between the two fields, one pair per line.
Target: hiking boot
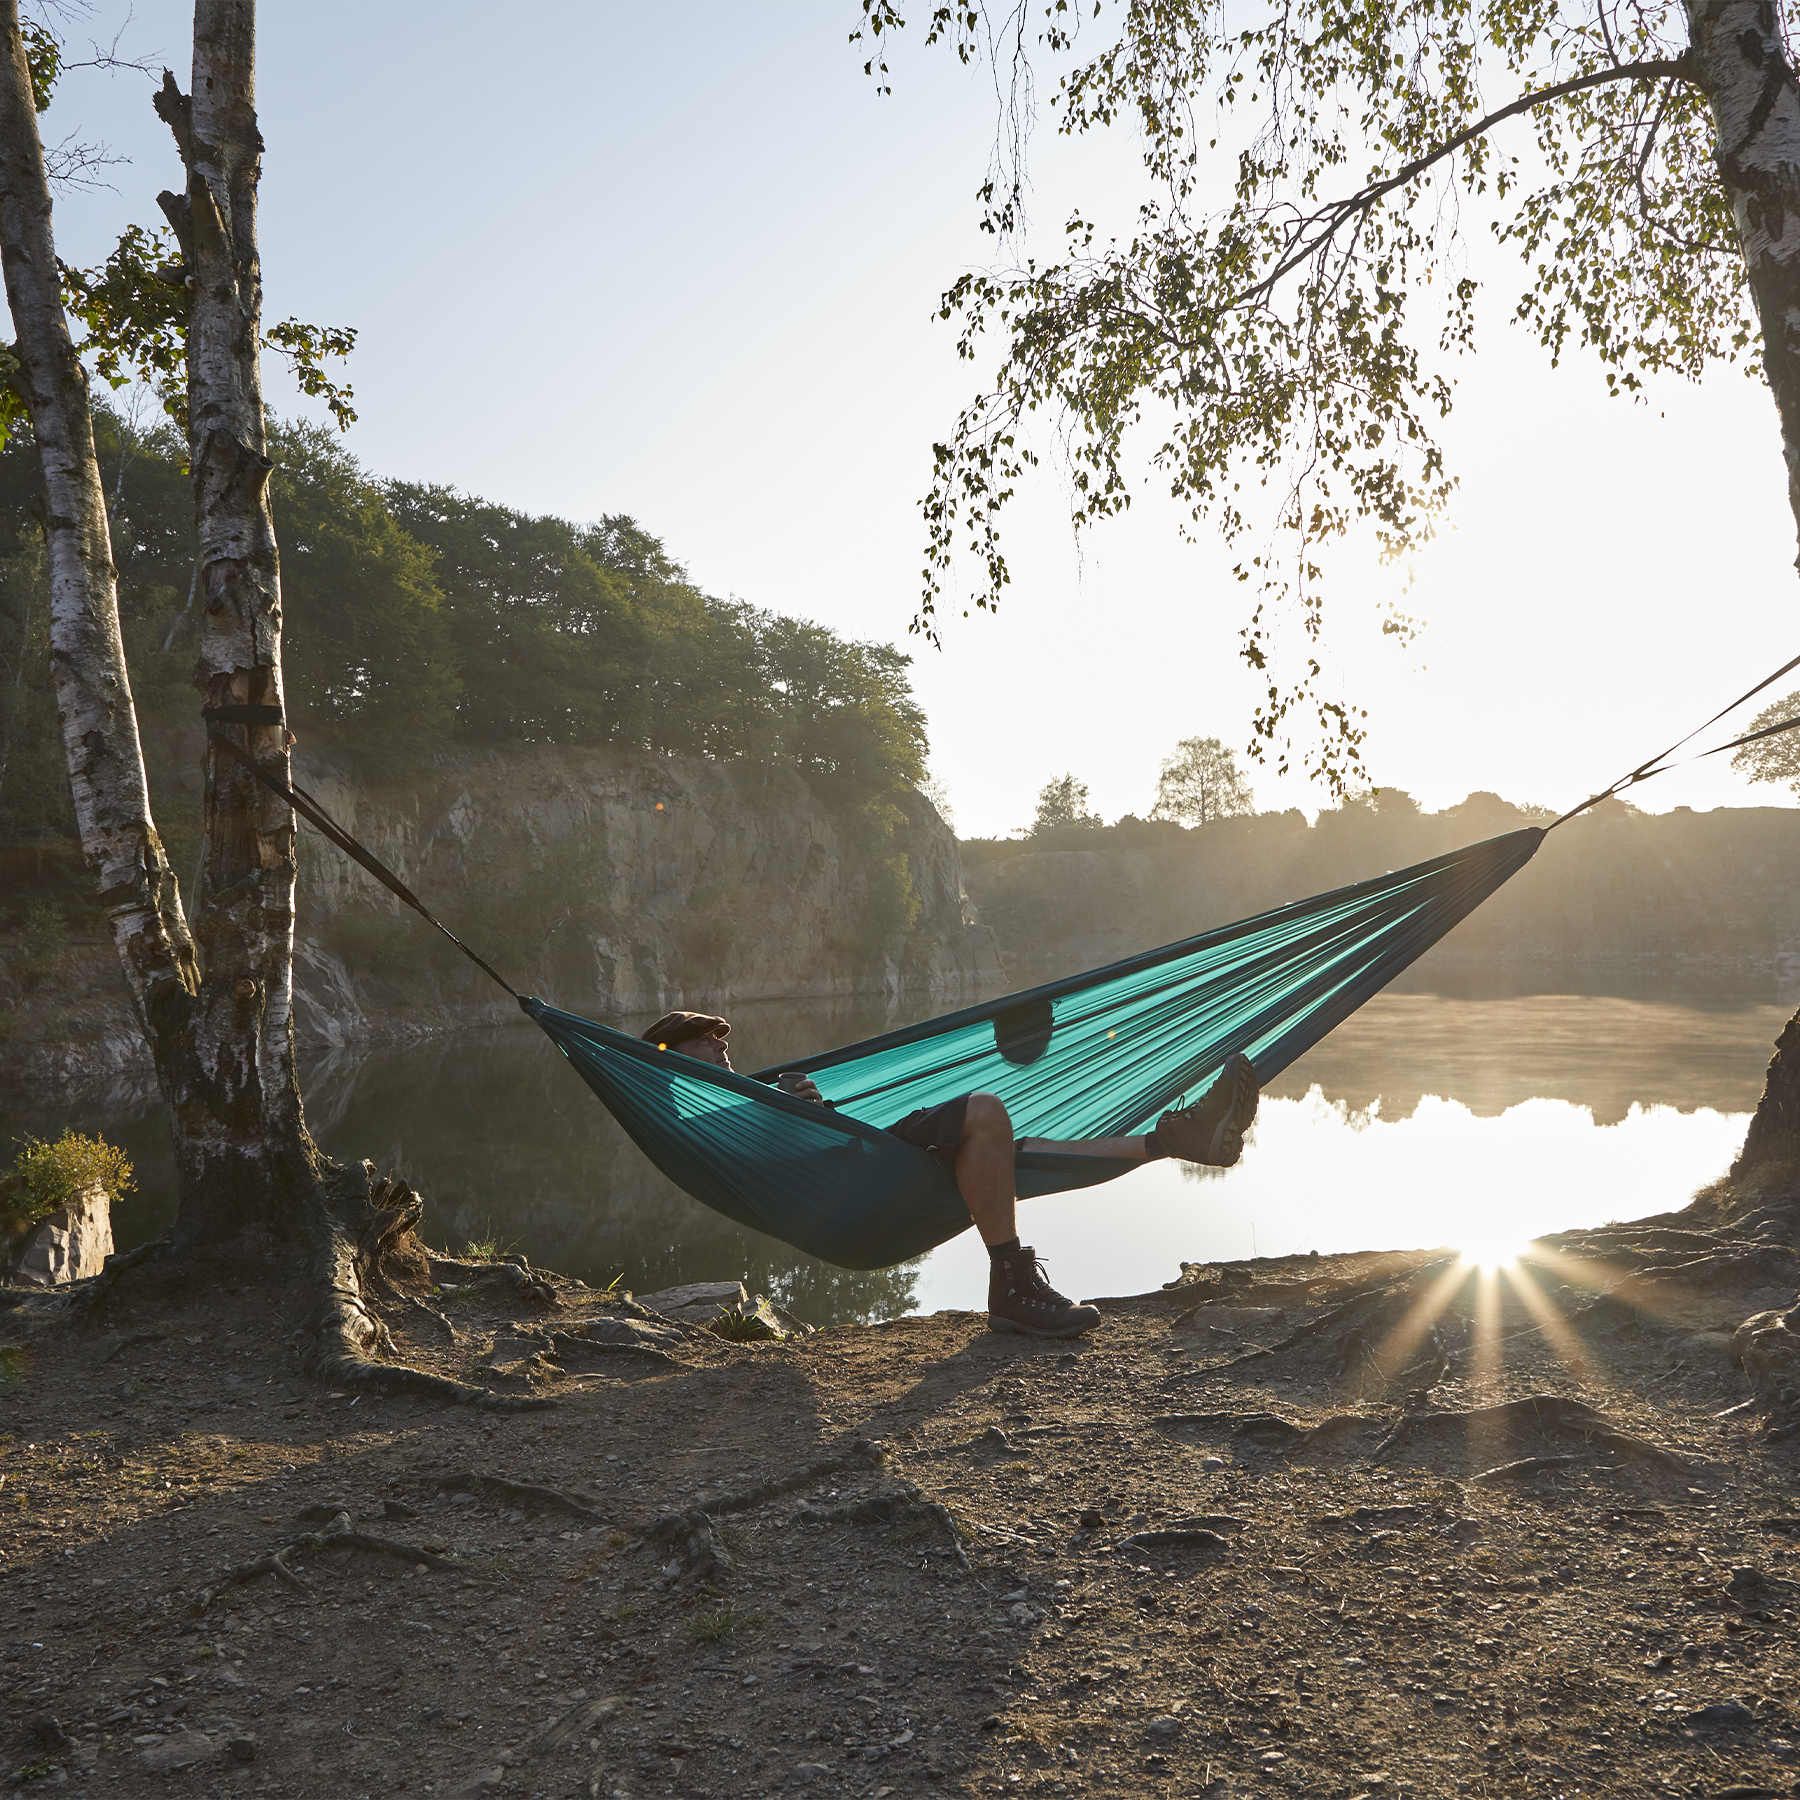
1212,1129
1021,1299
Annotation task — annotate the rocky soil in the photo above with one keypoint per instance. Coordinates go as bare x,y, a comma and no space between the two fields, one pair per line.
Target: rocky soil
1373,1525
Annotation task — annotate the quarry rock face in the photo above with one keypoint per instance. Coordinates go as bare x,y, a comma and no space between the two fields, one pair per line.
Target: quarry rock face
618,884
613,883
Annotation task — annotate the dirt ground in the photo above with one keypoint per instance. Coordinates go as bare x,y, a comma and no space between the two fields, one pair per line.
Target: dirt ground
1273,1531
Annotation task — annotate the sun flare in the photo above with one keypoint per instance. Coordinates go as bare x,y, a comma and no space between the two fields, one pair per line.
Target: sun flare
1492,1251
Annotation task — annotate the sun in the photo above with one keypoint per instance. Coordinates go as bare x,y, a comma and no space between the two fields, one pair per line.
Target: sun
1490,1251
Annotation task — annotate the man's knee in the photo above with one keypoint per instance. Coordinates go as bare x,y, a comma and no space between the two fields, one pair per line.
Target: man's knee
986,1116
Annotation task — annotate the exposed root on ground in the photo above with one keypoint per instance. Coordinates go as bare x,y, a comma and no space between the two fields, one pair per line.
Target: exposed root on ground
89,1298
896,1503
1185,1539
1767,1349
1527,1468
363,1246
692,1533
1267,1430
337,1533
1553,1415
527,1495
603,1338
511,1276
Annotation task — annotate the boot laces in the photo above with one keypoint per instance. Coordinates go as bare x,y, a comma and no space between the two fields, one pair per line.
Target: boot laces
1035,1280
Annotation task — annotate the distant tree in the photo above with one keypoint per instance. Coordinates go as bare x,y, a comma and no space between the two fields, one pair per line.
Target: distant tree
1775,758
1200,783
1383,803
1063,803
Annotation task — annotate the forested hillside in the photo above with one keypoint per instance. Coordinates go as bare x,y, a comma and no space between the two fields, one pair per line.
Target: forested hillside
420,619
1615,885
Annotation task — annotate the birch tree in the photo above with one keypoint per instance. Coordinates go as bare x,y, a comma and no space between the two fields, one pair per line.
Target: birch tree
1275,334
214,994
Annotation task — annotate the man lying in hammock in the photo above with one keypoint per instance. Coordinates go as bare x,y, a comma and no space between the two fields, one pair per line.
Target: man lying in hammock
973,1134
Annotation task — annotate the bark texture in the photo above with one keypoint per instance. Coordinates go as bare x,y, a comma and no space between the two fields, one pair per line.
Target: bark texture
87,655
252,1153
1741,61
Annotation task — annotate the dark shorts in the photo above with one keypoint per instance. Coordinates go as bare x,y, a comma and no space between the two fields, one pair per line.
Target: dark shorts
936,1128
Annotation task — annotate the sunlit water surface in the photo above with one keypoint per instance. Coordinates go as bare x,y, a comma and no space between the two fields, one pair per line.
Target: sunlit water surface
1424,1120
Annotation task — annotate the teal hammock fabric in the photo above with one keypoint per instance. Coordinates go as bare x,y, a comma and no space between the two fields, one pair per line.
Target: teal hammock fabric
1099,1054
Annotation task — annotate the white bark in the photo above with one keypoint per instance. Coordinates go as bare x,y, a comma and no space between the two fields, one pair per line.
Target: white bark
1741,61
87,655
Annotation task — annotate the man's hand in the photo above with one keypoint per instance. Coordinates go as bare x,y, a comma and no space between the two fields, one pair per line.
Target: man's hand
802,1087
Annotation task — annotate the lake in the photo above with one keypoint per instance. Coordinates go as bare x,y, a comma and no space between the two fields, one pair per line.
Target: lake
1428,1118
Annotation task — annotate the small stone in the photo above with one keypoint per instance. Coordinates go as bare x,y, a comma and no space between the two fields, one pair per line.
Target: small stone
182,1751
241,1749
398,1509
1722,1715
1212,1462
1163,1727
1092,1518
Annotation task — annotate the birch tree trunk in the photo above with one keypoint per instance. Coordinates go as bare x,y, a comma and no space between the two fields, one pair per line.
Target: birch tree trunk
87,654
1741,62
216,1005
257,1154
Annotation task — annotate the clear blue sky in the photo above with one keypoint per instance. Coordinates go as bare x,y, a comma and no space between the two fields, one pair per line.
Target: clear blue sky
682,262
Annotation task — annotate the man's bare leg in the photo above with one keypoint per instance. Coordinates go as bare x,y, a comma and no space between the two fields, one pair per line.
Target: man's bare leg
1019,1296
984,1169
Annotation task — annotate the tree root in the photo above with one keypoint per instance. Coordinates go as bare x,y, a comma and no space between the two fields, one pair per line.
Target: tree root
895,1503
89,1297
1551,1414
337,1534
560,1344
1767,1348
525,1494
362,1241
1267,1430
512,1276
414,1304
1189,1539
692,1533
1526,1468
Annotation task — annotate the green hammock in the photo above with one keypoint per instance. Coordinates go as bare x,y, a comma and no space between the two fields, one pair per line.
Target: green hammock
1094,1055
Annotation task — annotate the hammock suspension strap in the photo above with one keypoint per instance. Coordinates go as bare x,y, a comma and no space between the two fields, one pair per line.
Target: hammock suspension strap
310,808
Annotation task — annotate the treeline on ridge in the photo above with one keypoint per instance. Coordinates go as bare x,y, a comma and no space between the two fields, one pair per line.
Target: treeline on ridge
1614,885
418,618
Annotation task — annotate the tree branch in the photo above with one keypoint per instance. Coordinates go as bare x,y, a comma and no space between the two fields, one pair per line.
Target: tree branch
176,111
1328,220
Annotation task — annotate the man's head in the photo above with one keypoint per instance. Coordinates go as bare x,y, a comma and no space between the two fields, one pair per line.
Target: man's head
701,1035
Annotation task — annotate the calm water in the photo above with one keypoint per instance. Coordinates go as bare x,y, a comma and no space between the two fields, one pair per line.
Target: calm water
1426,1119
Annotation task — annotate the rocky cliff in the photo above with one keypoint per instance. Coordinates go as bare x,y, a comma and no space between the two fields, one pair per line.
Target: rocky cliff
614,882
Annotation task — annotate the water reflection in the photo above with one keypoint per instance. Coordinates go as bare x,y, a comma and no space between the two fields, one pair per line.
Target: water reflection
1420,1114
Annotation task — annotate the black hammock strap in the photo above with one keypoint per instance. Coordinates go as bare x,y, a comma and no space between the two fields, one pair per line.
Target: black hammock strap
1659,764
310,808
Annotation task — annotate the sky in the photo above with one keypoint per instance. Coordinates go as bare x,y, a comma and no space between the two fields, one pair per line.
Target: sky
683,263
